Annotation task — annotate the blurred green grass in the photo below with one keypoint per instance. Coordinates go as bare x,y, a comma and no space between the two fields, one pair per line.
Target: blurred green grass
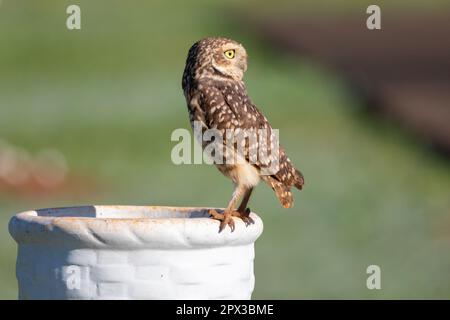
108,97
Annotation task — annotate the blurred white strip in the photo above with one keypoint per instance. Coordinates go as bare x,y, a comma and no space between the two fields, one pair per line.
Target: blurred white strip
14,164
50,168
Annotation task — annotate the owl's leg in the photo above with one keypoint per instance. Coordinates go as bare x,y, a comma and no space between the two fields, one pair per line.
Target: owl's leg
227,217
243,211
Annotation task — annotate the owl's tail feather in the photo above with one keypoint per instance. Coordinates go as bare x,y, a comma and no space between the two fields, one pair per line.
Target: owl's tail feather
299,180
282,191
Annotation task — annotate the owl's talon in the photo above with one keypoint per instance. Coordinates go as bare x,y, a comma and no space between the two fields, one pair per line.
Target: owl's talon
216,215
227,221
226,218
248,221
244,216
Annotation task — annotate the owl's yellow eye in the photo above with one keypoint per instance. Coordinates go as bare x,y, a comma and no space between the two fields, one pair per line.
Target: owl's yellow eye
229,54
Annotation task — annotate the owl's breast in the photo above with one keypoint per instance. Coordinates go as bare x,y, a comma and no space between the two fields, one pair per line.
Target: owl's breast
241,173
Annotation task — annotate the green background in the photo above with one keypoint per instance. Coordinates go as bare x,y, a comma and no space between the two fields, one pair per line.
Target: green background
109,95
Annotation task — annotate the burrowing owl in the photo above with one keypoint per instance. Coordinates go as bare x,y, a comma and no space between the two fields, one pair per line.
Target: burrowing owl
217,99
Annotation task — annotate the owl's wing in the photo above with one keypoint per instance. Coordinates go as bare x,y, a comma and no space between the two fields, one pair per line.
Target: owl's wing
231,108
228,110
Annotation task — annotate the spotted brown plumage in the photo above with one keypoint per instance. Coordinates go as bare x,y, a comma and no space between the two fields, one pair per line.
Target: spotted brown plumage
217,98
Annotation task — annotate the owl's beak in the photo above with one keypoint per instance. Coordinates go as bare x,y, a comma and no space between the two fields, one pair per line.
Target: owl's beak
242,64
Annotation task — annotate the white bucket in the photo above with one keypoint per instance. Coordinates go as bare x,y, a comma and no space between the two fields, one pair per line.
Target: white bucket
132,252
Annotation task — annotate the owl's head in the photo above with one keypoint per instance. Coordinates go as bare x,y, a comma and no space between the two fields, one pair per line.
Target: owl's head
222,56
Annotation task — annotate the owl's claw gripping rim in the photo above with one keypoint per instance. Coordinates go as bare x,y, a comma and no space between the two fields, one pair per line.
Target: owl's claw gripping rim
245,216
215,215
226,218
